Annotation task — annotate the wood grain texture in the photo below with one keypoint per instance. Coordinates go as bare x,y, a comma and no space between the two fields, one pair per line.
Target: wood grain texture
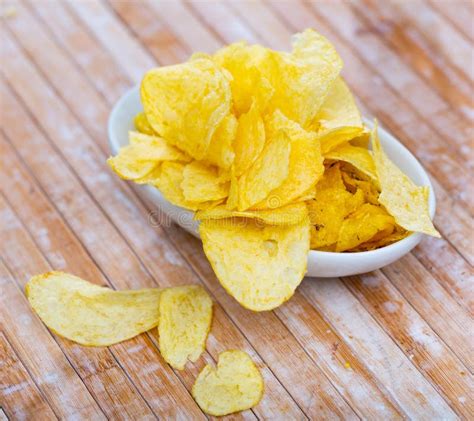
395,343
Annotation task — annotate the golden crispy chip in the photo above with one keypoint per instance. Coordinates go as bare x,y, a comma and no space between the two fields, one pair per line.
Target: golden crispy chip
250,139
362,225
361,141
405,201
201,183
186,103
89,314
142,156
267,172
141,124
338,120
248,82
358,157
235,385
306,163
354,180
185,321
286,215
330,206
221,152
169,183
397,235
260,266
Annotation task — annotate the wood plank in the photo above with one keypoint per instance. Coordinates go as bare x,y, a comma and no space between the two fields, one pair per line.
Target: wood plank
270,403
416,338
386,360
444,39
55,17
48,365
19,394
454,222
411,46
460,15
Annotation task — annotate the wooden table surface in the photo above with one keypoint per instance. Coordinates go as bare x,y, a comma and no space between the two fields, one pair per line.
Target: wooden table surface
395,343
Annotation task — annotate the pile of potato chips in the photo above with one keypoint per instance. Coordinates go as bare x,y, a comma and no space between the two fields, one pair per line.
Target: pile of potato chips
270,150
92,315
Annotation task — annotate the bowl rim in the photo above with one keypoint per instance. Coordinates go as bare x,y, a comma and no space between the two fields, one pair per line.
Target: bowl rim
406,243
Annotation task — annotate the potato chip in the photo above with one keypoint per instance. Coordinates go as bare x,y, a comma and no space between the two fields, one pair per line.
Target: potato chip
221,152
201,183
358,157
405,201
235,385
384,240
185,103
141,124
330,206
286,215
185,321
354,180
248,83
250,139
142,156
362,225
305,166
169,183
266,173
338,120
361,141
260,266
89,314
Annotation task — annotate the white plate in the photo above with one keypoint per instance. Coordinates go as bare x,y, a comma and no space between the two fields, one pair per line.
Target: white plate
320,264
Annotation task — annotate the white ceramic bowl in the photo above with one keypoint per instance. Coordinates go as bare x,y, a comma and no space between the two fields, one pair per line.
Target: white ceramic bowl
320,264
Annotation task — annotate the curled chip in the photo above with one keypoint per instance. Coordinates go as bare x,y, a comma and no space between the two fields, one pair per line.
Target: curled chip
250,139
201,183
170,181
260,266
221,152
185,321
338,120
141,124
186,103
332,203
358,157
287,215
305,162
142,156
89,314
267,172
405,201
235,385
363,225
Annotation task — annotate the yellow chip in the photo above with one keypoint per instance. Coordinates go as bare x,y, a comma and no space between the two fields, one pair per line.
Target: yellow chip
169,183
338,120
266,173
235,385
330,206
250,139
358,157
186,103
260,266
384,240
221,152
353,181
305,166
286,215
405,201
248,82
141,124
89,314
185,321
142,156
201,183
362,225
